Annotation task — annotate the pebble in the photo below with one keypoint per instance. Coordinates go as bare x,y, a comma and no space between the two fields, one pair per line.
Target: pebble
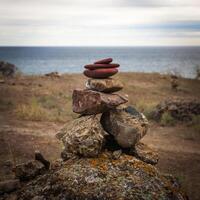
100,66
104,61
100,73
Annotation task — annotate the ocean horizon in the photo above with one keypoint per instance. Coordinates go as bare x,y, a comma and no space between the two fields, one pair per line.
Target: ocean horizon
181,60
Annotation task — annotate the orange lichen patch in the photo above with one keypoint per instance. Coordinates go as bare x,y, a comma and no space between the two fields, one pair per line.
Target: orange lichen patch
149,169
100,162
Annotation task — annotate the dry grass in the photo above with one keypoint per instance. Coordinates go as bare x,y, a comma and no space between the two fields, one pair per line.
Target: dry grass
49,99
32,111
45,108
146,108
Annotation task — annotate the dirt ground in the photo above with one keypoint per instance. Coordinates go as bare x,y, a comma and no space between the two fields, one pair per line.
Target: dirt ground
21,133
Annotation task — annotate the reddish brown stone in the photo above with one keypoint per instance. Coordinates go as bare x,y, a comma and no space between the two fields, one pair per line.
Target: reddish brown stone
90,102
104,61
99,66
100,73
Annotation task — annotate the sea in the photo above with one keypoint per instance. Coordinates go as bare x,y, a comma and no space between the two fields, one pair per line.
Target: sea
182,61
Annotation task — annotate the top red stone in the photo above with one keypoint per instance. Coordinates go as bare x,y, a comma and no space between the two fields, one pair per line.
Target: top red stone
104,61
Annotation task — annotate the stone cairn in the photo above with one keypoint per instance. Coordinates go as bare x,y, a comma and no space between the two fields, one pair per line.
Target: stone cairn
103,157
105,121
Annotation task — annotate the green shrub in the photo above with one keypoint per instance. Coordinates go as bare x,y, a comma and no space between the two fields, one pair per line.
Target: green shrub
167,120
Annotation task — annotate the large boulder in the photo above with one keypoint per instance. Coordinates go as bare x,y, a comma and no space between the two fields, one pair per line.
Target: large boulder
104,85
103,178
126,124
90,102
83,136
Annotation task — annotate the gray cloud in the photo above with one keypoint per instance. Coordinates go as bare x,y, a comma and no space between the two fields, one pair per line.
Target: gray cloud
99,22
172,25
158,3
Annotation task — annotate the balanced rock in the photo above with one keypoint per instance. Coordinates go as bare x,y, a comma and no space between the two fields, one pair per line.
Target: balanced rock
83,136
100,73
99,66
104,85
90,102
127,125
104,61
145,153
103,178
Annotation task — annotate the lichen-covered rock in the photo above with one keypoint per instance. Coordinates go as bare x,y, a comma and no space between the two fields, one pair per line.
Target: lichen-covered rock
145,153
180,109
127,125
29,170
83,136
104,85
102,178
90,102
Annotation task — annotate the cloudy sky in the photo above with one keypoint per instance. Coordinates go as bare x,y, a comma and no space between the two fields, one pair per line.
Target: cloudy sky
99,22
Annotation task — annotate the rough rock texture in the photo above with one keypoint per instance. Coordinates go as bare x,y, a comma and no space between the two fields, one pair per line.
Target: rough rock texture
104,85
29,170
145,153
90,102
180,109
39,157
103,178
83,136
100,73
126,125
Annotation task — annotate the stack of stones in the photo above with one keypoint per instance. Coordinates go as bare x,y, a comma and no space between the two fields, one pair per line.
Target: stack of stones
99,97
96,145
105,121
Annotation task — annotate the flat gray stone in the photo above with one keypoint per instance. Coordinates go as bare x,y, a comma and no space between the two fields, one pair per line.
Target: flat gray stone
126,125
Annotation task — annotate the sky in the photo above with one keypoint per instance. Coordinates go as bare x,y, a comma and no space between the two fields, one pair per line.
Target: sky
99,22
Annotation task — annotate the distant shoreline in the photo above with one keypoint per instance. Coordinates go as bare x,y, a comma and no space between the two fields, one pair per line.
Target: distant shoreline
162,46
164,60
